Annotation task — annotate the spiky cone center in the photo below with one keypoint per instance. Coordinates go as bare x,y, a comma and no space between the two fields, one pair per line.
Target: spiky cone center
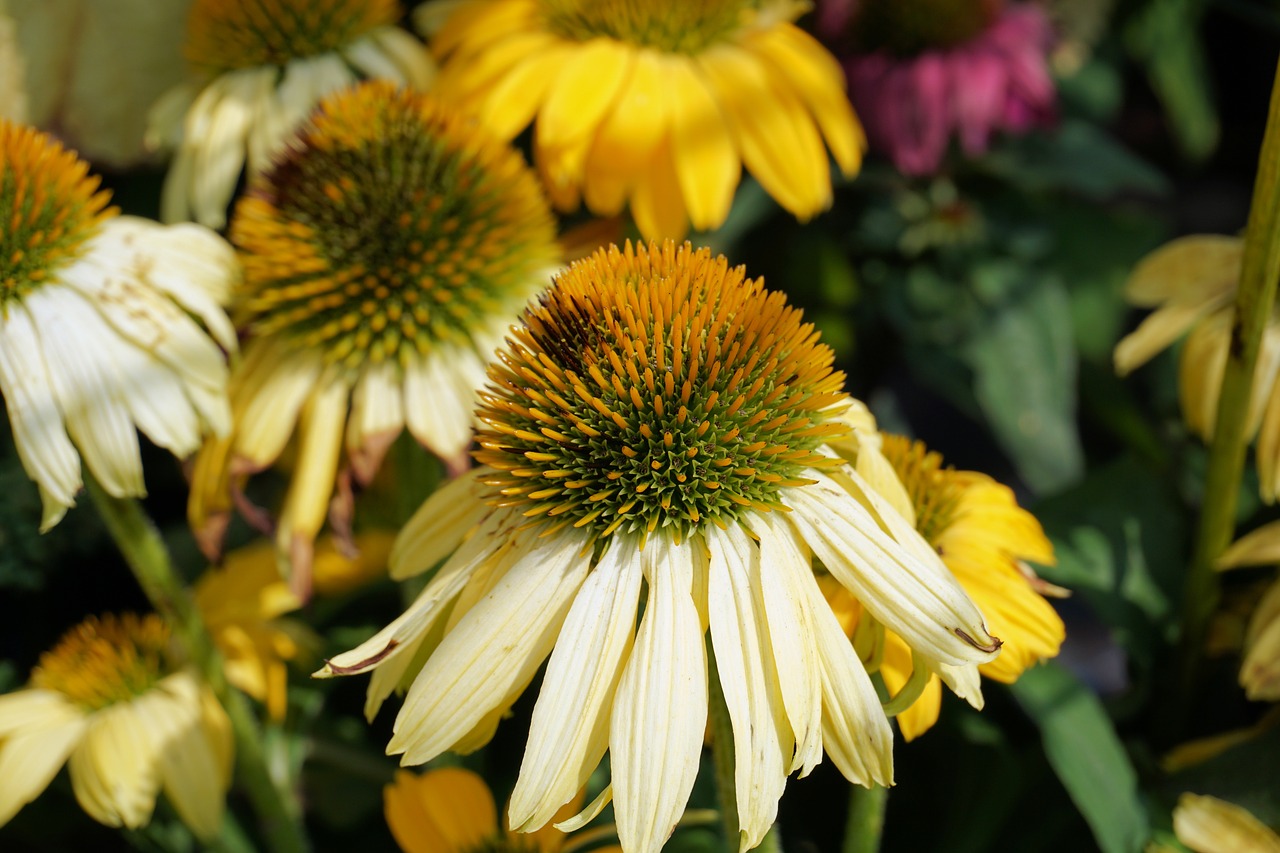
50,205
656,388
671,26
913,27
224,35
105,660
389,227
935,494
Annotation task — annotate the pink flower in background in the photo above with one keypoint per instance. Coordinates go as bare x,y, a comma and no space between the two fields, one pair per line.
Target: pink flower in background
915,89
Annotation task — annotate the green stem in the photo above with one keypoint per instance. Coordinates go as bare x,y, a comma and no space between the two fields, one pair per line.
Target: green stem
722,753
145,552
1253,310
865,824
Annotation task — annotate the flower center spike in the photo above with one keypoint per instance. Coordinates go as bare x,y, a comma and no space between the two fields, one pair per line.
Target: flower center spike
673,26
934,495
49,205
908,28
652,388
223,35
390,226
103,661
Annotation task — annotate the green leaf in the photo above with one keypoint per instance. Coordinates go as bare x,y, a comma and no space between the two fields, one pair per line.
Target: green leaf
1085,753
1024,364
1165,36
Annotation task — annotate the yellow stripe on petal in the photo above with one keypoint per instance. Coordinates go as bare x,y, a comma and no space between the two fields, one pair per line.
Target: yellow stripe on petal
707,163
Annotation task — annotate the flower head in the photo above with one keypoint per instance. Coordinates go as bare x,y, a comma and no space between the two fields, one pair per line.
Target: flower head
1191,282
658,421
657,105
113,701
921,73
262,66
371,304
985,539
98,336
451,810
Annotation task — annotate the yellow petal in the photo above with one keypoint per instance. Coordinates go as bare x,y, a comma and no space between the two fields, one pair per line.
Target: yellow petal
1198,268
657,203
895,668
443,811
707,163
1210,825
583,89
628,135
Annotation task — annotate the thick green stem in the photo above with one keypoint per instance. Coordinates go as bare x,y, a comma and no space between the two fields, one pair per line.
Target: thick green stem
1253,310
145,552
865,823
722,753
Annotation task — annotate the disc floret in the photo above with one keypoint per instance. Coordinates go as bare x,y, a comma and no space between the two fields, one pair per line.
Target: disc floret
224,35
656,387
106,660
391,226
50,204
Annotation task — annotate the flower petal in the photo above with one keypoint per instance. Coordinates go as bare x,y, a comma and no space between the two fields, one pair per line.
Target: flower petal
449,810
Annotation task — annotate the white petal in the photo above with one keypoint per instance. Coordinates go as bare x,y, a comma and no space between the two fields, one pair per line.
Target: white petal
221,152
762,744
436,413
437,527
268,399
660,713
499,644
906,593
409,54
372,62
377,406
964,681
570,729
785,569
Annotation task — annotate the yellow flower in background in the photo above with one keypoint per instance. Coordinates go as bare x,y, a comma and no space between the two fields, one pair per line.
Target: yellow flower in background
100,326
1260,666
641,427
1191,282
451,810
112,702
985,539
242,601
262,67
1211,825
656,104
92,70
371,305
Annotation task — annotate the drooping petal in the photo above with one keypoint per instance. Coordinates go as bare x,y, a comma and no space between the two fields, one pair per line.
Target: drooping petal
448,810
38,730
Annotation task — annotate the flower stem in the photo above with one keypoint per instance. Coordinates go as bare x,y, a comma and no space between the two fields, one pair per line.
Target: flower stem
1253,308
722,753
145,552
865,824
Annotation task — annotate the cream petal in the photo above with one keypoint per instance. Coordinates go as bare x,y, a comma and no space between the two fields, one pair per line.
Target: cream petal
220,154
878,472
923,605
372,61
33,708
1159,330
785,569
438,527
30,757
436,414
1194,268
499,644
268,401
762,742
660,713
569,732
87,387
114,771
46,452
964,681
1260,547
176,197
189,765
409,55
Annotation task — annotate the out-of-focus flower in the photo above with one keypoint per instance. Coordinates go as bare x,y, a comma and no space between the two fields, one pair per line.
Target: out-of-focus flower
1191,282
129,720
451,810
642,426
99,332
13,82
656,104
925,72
1211,825
371,304
1260,668
338,570
92,70
985,539
262,66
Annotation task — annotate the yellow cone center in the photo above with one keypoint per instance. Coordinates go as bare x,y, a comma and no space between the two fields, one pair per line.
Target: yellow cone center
223,35
106,660
656,387
392,225
49,204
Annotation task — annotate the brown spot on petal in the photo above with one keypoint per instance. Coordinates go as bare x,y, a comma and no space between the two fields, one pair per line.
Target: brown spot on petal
331,668
994,646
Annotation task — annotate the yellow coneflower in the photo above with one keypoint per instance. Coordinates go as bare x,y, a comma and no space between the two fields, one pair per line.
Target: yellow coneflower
451,810
658,421
113,702
986,540
383,258
1191,282
1211,825
657,103
100,332
262,66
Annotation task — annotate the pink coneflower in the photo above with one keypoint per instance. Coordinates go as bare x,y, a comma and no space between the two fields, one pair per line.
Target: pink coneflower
923,72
